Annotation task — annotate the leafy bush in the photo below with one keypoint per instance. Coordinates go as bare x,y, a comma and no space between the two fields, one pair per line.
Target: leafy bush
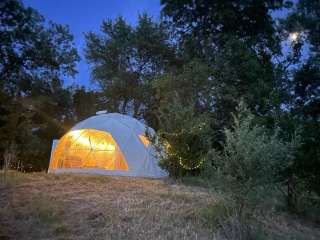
185,137
252,158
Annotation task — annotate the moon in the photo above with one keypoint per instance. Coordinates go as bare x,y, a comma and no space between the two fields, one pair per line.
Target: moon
294,36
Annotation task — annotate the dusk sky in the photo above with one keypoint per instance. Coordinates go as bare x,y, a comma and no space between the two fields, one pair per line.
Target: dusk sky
87,15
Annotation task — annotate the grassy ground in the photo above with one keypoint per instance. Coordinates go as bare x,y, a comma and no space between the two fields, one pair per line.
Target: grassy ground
46,206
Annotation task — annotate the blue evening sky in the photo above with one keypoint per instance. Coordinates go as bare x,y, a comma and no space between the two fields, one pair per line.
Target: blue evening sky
87,15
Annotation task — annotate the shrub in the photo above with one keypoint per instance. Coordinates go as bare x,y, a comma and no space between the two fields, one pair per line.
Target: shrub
252,158
183,139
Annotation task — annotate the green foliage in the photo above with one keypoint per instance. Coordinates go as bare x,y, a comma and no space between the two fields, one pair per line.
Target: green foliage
205,26
193,81
184,135
238,72
125,60
34,106
215,214
32,55
303,176
252,157
305,19
84,103
182,98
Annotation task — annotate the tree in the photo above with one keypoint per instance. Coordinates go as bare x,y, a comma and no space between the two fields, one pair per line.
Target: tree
30,53
206,25
305,91
84,103
239,73
125,60
237,40
34,60
183,137
305,20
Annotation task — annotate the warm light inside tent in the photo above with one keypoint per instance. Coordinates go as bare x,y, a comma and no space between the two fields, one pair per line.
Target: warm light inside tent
144,140
91,142
106,147
88,148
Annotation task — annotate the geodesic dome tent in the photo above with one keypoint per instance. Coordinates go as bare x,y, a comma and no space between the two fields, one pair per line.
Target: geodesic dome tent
107,143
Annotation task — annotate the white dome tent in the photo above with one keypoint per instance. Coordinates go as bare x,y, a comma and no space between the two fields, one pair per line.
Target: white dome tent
107,143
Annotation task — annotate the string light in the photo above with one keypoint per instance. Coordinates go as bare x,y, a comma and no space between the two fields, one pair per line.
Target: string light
169,151
191,168
168,148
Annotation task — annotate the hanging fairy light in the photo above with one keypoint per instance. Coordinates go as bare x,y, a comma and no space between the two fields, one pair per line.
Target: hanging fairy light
181,160
170,151
200,163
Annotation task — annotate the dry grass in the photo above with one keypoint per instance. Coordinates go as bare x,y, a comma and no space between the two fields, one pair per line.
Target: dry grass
46,206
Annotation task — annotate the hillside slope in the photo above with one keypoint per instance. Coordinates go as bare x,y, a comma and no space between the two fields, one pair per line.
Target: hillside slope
47,206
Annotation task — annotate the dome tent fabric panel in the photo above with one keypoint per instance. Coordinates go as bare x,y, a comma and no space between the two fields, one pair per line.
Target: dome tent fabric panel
124,130
88,148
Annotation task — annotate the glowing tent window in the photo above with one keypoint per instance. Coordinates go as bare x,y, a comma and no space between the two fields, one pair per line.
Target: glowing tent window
88,148
91,141
144,140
